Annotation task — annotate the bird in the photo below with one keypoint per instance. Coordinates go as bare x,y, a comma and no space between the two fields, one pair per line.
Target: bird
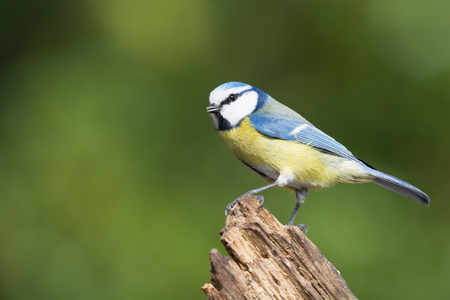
286,150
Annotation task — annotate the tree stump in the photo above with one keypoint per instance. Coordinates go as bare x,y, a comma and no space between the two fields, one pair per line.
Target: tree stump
269,261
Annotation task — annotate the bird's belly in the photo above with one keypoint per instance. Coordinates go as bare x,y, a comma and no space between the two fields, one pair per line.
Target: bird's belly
270,157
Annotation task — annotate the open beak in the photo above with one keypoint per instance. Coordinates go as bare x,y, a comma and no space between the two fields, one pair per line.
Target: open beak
213,108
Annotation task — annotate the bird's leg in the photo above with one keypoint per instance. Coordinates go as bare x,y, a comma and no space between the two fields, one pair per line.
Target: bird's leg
300,195
252,192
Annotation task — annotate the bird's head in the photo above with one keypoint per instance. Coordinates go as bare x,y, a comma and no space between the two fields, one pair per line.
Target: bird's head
232,102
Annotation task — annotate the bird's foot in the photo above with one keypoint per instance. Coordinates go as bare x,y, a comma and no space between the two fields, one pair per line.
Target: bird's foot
261,200
230,206
303,227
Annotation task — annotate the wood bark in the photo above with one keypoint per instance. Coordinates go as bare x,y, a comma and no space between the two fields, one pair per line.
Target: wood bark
269,261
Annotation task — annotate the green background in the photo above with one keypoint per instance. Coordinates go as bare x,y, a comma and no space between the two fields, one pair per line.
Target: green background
113,181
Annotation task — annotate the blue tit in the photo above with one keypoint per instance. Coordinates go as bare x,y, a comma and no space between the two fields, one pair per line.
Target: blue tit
287,150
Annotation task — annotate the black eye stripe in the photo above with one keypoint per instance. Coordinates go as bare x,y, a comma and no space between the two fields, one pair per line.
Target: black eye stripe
235,95
230,98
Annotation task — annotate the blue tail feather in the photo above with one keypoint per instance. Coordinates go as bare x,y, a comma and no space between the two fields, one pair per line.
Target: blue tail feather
400,187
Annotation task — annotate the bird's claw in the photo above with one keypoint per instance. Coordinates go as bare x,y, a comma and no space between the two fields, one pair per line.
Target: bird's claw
230,206
261,200
303,226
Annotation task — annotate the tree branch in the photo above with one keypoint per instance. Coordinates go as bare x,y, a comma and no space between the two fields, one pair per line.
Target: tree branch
270,261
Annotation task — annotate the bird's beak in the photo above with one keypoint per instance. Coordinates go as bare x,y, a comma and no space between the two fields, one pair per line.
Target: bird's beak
213,108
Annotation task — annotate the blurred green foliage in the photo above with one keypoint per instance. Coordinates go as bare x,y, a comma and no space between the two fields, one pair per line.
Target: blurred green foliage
113,181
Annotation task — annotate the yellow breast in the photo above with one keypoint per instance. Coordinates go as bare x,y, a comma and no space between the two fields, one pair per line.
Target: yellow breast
309,167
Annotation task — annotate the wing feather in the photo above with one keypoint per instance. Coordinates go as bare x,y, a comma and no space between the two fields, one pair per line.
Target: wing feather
276,120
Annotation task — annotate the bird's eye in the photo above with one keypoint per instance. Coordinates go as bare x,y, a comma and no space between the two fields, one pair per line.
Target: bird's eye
232,97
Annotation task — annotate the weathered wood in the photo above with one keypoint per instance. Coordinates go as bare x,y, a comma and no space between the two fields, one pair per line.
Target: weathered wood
270,261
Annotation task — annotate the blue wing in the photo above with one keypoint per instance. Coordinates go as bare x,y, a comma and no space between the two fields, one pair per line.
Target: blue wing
276,120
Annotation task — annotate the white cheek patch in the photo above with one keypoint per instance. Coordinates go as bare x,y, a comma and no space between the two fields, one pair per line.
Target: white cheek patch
234,112
220,94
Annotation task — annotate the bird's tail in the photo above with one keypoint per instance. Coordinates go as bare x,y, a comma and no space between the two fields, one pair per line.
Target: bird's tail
400,187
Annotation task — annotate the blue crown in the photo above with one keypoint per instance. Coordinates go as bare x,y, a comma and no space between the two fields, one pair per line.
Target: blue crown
230,85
